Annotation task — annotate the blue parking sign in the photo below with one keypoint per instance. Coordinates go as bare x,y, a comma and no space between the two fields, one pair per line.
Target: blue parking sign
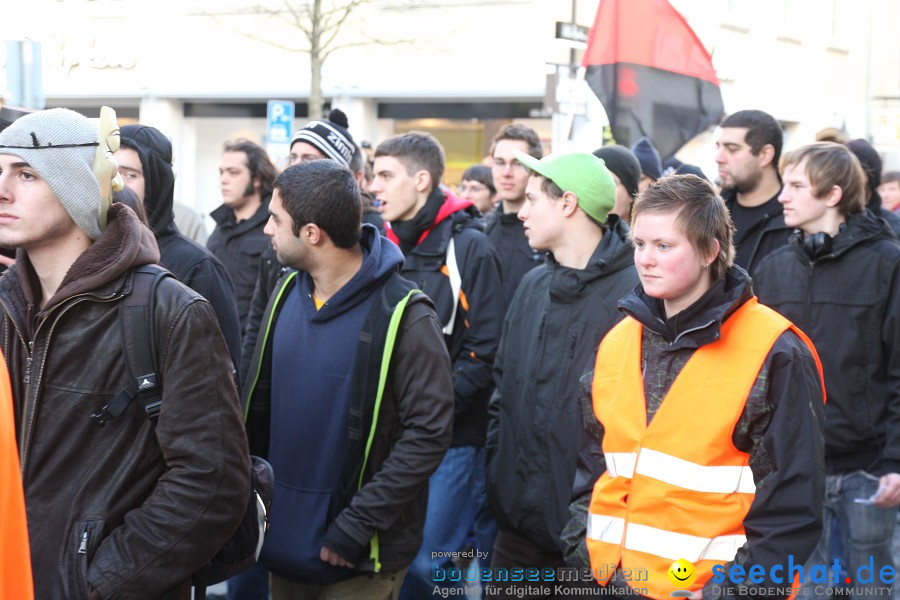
280,116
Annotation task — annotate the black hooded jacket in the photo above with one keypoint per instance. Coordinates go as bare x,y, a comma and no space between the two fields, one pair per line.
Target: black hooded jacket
192,264
848,302
479,315
551,331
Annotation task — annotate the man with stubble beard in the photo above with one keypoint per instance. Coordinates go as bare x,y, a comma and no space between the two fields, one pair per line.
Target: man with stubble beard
246,177
748,147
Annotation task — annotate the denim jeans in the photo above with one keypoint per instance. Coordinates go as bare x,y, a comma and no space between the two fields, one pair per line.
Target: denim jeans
866,534
450,517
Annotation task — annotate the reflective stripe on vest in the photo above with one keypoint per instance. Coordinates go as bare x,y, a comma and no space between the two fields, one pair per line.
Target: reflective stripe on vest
684,473
668,544
677,488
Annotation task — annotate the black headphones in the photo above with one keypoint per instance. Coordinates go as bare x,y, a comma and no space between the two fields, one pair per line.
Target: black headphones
820,244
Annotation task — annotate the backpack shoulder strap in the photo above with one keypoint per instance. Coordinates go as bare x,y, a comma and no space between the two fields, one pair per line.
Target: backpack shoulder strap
137,329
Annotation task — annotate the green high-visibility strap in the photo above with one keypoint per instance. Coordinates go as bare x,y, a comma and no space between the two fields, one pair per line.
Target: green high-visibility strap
265,340
389,341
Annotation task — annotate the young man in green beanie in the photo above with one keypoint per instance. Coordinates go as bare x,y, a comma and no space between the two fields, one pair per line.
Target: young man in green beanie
118,506
559,314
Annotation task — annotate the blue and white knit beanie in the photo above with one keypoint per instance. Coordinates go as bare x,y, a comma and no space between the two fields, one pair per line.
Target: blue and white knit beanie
60,145
330,137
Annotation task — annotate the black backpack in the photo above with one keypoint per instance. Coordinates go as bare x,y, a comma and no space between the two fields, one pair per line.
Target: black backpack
136,313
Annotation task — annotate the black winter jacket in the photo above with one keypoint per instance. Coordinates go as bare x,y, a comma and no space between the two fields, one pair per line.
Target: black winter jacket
191,263
479,316
239,246
507,235
848,303
130,510
551,332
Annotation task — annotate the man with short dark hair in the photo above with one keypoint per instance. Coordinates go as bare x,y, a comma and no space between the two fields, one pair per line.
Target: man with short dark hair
839,281
119,506
246,176
317,140
748,146
450,259
351,396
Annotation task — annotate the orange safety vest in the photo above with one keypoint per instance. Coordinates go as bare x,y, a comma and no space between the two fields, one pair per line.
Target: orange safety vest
677,488
15,558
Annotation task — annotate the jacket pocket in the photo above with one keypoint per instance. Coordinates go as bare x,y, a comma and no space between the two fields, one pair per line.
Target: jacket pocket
84,541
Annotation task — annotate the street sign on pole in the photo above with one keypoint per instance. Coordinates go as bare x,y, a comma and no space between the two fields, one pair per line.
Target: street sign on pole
574,33
279,130
280,116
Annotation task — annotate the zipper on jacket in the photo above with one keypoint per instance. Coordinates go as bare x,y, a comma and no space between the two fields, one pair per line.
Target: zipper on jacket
82,548
27,378
541,326
691,330
28,409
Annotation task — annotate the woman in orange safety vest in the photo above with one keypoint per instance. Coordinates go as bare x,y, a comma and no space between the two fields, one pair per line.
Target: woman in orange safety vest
15,559
711,407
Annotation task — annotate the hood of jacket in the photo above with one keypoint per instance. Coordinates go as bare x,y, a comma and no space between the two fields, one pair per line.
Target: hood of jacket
858,229
155,152
701,322
613,253
380,258
124,243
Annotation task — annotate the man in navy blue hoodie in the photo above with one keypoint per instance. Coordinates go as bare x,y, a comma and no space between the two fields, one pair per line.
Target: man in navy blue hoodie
350,398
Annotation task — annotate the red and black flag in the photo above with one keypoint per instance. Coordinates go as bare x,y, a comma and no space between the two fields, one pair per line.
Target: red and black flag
652,74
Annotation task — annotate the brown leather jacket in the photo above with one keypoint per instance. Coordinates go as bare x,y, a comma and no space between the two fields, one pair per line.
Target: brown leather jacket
121,509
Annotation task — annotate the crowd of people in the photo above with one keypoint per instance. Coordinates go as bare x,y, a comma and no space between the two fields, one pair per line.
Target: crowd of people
578,362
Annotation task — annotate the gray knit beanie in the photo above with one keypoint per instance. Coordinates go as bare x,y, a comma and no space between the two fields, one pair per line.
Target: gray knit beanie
60,145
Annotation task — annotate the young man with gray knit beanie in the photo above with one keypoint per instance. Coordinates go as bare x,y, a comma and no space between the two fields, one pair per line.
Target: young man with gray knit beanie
118,506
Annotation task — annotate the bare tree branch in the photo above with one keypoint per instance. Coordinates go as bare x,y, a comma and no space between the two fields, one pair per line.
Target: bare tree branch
336,28
320,25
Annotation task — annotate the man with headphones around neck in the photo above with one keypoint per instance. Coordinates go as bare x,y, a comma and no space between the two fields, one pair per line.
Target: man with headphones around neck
838,279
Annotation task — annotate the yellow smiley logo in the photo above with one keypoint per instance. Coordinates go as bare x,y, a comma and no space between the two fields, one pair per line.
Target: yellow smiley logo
682,573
